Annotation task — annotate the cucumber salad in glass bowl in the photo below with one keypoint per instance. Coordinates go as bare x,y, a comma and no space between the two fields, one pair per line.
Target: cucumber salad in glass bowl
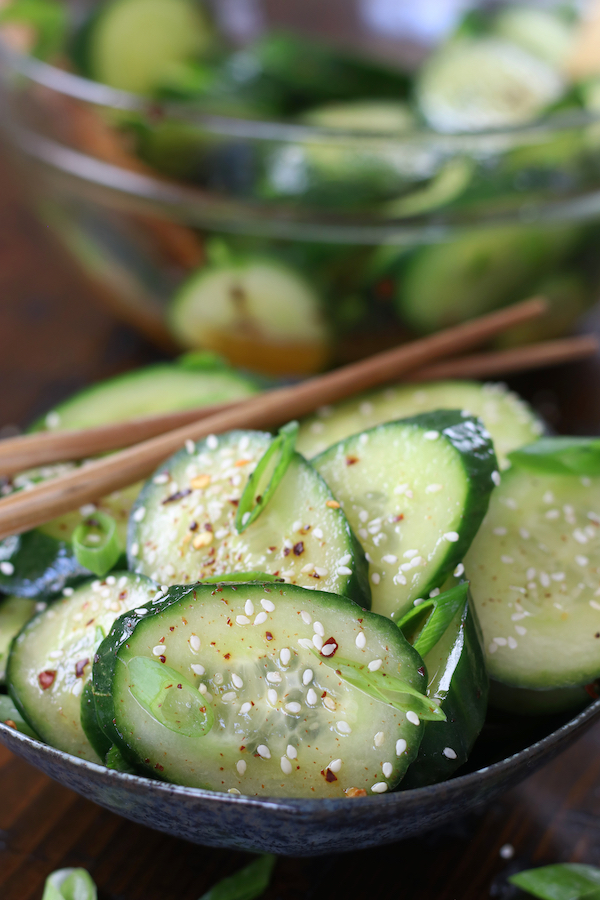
325,614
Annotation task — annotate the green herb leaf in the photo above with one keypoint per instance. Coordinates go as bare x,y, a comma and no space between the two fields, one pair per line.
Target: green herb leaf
265,479
566,881
247,884
96,543
169,697
70,884
440,612
385,688
559,456
241,577
47,17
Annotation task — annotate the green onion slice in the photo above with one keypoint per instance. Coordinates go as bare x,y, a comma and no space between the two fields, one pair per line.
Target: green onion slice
241,577
169,697
49,18
70,884
265,479
439,612
247,884
559,456
565,881
96,543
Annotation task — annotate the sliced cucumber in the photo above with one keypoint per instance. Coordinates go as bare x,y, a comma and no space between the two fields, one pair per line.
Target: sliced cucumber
508,419
526,702
10,716
182,526
415,492
14,613
258,312
534,575
51,659
234,688
485,83
447,283
543,32
134,42
457,679
41,562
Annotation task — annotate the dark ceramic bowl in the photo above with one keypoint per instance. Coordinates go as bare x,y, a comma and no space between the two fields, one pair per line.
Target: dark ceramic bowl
313,827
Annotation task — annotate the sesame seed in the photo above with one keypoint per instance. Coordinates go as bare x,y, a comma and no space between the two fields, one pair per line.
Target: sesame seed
237,681
218,678
212,442
412,717
318,534
581,560
328,703
433,488
263,751
375,664
379,739
492,647
344,570
387,769
158,650
365,408
558,576
52,419
285,656
496,478
249,607
449,753
522,631
459,570
363,533
308,569
524,534
7,568
410,554
135,549
306,643
322,573
233,791
229,697
307,676
345,559
306,617
544,579
431,435
190,446
195,642
197,669
293,707
68,592
594,605
390,559
333,504
261,618
502,642
434,593
311,697
512,643
291,751
274,678
335,765
318,628
379,788
507,560
267,605
401,746
241,766
317,641
286,766
500,532
451,536
361,640
552,514
272,696
245,708
375,577
77,688
242,620
344,727
139,514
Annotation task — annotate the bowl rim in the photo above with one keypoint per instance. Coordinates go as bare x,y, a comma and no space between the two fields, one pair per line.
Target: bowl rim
307,806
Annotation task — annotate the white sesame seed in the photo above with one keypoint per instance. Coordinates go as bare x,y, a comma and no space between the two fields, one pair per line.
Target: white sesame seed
161,479
502,642
293,707
190,446
318,629
379,739
390,559
197,669
158,650
496,478
451,536
322,573
237,681
433,488
306,617
245,708
311,697
524,534
285,656
260,618
274,678
512,643
434,593
328,649
492,647
249,607
272,696
242,620
263,751
581,560
139,514
363,533
317,641
522,631
194,642
229,697
218,678
375,664
212,442
544,579
308,569
291,752
343,727
286,766
375,577
345,559
335,765
548,497
459,570
361,640
135,549
307,676
401,746
449,753
431,435
507,560
306,643
558,576
343,570
552,514
7,568
318,534
500,531
68,592
387,769
52,419
409,554
77,687
594,605
329,704
412,717
379,788
530,574
241,766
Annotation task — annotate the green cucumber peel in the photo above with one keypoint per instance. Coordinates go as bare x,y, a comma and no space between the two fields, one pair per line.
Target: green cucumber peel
115,760
559,456
10,714
70,884
564,881
169,697
201,361
440,611
267,475
247,884
241,578
96,543
385,688
49,19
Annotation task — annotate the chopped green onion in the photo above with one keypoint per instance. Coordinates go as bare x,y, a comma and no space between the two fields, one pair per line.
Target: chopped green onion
169,697
70,884
247,884
565,881
559,456
47,17
241,577
201,361
385,688
440,612
96,543
266,477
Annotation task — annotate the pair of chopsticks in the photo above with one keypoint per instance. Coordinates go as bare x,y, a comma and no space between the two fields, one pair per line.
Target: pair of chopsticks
151,440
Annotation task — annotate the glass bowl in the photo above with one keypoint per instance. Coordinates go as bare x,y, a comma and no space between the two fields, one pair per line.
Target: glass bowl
382,236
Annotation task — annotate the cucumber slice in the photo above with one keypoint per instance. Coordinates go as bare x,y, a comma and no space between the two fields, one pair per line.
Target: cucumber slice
447,283
484,83
525,702
508,419
258,312
545,33
415,492
182,526
41,562
51,659
14,613
10,716
249,658
534,577
134,42
457,679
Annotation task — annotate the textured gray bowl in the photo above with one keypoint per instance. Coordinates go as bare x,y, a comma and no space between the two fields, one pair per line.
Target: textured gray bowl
294,827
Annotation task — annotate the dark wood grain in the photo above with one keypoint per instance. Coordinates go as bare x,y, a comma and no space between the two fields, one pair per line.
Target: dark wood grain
54,339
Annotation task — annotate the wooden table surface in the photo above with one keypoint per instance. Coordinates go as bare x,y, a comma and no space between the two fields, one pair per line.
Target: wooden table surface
53,340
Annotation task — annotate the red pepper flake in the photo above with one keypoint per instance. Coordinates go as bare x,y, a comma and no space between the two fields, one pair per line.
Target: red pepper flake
329,775
122,595
355,792
286,551
329,648
171,628
91,622
352,460
229,622
397,518
180,687
242,748
46,679
593,690
10,724
80,666
268,635
208,526
193,526
421,670
227,656
178,495
163,659
159,767
234,502
299,548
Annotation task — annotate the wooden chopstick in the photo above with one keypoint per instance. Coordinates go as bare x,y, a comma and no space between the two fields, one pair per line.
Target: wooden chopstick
28,509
